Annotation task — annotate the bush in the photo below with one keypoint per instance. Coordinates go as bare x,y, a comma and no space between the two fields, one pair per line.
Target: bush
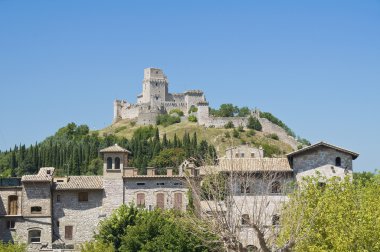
277,121
235,133
227,134
176,111
229,125
192,118
253,123
166,120
120,129
251,132
133,123
240,129
10,247
193,109
273,136
271,150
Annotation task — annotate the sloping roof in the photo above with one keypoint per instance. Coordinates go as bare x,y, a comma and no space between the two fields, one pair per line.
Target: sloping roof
44,175
80,183
114,148
249,165
294,153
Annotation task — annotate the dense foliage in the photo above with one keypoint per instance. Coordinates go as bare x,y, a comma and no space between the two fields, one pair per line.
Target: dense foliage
73,149
10,247
132,229
193,118
176,111
253,123
278,122
229,110
334,216
166,120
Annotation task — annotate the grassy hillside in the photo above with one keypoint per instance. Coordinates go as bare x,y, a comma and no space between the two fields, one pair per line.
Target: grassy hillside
219,137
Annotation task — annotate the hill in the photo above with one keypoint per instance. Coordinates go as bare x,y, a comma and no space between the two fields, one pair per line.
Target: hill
221,138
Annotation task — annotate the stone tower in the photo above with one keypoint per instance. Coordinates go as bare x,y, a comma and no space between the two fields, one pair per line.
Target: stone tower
155,87
203,113
115,160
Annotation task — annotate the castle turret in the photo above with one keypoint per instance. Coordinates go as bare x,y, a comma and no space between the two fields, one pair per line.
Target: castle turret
155,86
203,113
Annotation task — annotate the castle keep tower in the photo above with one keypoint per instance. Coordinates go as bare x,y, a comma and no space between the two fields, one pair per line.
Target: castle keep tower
155,87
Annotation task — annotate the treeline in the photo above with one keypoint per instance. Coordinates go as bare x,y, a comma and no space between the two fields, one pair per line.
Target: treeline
74,150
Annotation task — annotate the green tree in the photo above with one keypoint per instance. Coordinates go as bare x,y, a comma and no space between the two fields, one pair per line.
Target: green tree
338,216
253,123
10,247
244,112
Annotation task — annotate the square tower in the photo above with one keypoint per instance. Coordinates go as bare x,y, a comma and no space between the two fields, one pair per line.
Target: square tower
155,86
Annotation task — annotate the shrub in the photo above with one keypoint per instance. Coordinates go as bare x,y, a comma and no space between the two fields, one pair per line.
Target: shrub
133,123
193,109
10,247
235,133
192,118
271,150
229,125
251,132
120,129
166,120
303,141
253,123
273,136
240,129
227,134
177,111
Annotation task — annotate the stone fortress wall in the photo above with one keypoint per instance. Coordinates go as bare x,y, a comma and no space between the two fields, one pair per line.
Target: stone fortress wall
155,100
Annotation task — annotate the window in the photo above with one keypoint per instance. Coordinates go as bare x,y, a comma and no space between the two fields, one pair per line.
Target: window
34,236
83,196
58,198
275,220
57,223
178,183
160,184
48,172
252,155
338,162
276,187
242,155
245,219
140,200
178,201
68,232
12,205
109,163
160,197
60,180
117,163
245,188
140,184
36,209
237,155
11,224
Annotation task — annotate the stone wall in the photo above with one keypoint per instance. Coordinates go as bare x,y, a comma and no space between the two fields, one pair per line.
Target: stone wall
5,192
83,216
36,194
151,186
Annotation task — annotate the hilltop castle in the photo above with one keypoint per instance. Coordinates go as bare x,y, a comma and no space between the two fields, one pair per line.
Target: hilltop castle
155,99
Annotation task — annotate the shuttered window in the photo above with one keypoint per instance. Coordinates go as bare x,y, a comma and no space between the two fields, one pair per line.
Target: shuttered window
140,200
12,205
83,196
178,201
68,232
160,200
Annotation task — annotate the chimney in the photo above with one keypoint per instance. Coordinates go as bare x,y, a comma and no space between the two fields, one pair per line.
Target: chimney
129,172
169,172
151,171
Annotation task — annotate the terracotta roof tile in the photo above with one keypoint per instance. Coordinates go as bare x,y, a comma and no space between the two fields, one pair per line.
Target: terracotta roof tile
45,174
114,148
81,183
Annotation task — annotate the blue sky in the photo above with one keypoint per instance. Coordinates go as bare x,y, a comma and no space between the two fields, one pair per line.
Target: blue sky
313,64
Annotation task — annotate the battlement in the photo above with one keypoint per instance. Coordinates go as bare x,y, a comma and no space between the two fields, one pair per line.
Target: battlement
154,73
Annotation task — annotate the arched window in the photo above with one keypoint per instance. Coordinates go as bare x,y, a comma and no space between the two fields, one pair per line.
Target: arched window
109,163
276,187
338,161
141,200
117,163
245,219
178,201
160,197
12,205
34,236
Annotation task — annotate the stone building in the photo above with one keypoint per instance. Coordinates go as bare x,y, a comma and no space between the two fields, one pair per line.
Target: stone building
49,212
155,99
